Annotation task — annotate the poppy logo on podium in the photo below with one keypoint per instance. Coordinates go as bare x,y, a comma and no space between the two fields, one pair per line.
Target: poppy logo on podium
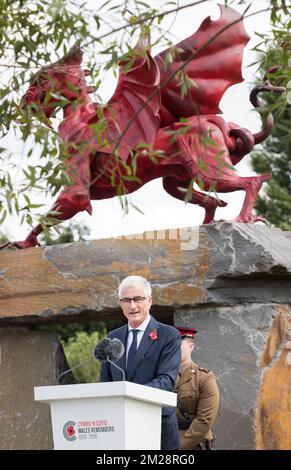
69,431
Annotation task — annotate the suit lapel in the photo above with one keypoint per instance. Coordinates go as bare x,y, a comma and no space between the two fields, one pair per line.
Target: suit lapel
144,346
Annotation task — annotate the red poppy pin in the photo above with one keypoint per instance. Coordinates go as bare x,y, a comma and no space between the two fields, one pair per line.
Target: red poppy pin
153,335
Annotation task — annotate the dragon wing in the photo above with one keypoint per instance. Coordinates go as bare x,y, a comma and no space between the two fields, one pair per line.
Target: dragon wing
215,67
132,113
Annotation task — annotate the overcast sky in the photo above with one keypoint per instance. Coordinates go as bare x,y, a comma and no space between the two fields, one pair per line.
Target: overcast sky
161,211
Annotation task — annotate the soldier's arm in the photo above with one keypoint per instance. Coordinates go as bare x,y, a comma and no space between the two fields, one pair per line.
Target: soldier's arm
206,413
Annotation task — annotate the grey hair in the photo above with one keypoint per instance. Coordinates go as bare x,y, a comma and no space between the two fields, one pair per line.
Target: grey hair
131,281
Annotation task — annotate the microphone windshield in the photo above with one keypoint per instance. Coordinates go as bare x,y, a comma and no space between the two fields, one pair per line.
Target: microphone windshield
100,351
115,350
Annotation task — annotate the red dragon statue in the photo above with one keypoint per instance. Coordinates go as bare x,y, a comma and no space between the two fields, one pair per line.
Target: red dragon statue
148,129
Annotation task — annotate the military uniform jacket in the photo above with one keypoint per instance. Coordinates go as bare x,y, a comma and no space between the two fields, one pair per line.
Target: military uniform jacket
198,397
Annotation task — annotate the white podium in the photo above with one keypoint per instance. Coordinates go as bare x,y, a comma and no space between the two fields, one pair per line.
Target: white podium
109,415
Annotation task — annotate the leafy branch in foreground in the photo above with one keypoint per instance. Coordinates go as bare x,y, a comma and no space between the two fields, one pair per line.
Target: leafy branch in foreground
275,154
33,34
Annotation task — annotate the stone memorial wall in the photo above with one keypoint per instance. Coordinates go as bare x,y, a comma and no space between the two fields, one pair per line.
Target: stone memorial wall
230,281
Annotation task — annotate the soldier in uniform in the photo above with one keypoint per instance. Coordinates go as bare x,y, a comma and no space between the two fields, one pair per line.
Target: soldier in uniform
197,398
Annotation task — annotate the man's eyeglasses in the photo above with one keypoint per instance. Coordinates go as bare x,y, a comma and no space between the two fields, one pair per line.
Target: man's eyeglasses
136,300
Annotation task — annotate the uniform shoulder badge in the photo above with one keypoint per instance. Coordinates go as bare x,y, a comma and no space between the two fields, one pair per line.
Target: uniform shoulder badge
204,369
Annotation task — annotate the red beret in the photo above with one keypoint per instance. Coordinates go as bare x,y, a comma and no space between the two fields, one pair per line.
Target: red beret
186,332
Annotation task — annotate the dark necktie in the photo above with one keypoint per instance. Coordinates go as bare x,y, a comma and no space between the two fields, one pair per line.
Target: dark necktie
132,350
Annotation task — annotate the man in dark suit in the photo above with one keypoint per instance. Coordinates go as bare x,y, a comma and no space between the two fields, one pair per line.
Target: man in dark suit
153,351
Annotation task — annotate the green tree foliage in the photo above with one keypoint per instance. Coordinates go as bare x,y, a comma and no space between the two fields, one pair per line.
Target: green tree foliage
33,34
78,341
274,155
78,349
66,331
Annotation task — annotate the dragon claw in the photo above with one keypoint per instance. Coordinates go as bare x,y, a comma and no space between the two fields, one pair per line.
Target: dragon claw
28,243
10,245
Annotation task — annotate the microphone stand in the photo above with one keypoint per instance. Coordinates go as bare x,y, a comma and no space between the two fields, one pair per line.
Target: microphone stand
85,362
119,368
70,370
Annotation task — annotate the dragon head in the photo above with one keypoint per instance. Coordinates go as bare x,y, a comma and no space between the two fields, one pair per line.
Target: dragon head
56,85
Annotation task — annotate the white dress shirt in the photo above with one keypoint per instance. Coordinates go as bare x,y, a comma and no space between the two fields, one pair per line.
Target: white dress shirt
142,327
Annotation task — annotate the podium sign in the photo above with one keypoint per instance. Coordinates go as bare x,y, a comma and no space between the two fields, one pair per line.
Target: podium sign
109,415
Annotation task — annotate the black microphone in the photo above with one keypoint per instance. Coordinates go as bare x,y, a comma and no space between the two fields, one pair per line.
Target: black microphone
115,350
100,350
97,353
107,350
110,350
